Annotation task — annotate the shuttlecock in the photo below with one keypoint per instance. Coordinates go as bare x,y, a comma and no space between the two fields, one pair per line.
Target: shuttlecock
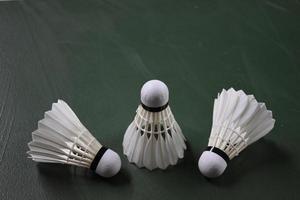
238,121
62,138
154,138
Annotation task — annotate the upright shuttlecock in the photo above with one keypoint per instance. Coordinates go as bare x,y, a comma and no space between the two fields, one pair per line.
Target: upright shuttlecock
61,138
154,139
238,121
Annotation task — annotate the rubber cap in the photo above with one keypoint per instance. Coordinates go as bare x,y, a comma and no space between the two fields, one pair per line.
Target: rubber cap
154,94
109,165
211,165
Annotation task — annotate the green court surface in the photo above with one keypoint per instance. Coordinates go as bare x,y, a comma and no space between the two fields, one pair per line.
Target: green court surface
96,54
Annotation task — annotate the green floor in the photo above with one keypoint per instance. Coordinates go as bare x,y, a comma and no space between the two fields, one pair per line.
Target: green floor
96,54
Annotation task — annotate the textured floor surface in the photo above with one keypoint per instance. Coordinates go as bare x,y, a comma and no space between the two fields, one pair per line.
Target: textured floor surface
96,54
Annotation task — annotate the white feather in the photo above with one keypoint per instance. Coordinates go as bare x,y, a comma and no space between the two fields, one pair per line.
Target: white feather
154,139
61,138
238,121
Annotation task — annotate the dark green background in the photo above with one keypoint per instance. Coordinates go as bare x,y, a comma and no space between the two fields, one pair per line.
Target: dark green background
96,54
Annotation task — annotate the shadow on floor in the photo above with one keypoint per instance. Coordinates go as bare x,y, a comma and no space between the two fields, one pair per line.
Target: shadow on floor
260,155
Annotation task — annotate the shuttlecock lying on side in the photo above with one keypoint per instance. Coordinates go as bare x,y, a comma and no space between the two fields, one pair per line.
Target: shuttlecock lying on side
61,138
154,139
238,121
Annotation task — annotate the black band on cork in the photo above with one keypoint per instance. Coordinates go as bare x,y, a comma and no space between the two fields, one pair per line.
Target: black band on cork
156,109
97,158
219,152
